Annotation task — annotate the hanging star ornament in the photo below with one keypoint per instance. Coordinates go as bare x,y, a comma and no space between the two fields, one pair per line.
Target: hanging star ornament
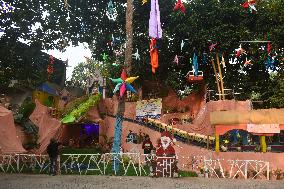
136,55
240,51
182,45
250,4
105,56
247,62
6,8
212,46
180,6
144,1
66,4
111,11
123,84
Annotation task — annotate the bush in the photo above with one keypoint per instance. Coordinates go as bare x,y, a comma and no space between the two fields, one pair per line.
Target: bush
188,174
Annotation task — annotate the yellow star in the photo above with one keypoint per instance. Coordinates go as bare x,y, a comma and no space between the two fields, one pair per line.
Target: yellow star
144,1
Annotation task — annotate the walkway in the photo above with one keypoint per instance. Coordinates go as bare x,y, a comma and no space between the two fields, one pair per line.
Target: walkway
21,181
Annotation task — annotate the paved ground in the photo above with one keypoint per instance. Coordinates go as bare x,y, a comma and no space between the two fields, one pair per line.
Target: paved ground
21,181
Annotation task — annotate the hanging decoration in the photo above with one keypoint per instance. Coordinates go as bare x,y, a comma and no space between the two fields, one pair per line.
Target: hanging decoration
66,4
212,47
240,51
50,66
204,58
223,62
179,6
114,40
249,4
123,84
154,55
268,48
182,45
270,63
111,11
247,62
144,1
176,59
136,55
155,32
6,8
105,57
195,64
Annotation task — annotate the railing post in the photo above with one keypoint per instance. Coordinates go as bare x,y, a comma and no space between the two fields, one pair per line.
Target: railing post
246,170
267,172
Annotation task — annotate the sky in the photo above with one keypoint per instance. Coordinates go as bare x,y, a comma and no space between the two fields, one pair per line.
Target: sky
75,55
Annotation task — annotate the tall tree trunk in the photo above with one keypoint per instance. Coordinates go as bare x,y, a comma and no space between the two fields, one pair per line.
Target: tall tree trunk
129,36
121,104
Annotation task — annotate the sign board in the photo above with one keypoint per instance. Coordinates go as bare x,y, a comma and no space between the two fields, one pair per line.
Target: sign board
149,109
263,128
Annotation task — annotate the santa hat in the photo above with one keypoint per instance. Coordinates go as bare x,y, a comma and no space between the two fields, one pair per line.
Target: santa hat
168,134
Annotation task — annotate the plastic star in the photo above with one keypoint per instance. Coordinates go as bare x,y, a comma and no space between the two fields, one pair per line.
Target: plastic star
247,62
105,57
66,4
239,51
123,84
144,1
180,6
6,8
136,55
212,46
182,45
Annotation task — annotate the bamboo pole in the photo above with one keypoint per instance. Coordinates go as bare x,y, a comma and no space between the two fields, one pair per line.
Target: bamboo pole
263,143
217,143
221,76
216,77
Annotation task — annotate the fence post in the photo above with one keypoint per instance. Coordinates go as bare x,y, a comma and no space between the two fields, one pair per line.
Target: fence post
246,170
267,170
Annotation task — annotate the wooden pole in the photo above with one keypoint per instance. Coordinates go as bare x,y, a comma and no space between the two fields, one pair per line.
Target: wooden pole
129,36
217,143
221,76
263,144
216,77
207,142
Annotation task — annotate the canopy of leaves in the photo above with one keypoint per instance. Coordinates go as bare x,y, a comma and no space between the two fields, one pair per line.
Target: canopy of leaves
206,21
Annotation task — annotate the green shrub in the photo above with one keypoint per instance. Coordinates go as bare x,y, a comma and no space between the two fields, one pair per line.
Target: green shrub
188,174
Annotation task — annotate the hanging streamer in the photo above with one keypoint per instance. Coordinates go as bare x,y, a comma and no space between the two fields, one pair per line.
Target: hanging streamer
154,55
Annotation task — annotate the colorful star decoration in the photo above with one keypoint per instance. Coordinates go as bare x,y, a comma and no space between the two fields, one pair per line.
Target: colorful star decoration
123,84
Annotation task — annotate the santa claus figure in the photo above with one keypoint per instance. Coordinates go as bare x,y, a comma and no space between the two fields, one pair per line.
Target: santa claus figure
165,163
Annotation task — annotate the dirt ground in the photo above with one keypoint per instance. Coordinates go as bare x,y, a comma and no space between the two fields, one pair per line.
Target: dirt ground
22,181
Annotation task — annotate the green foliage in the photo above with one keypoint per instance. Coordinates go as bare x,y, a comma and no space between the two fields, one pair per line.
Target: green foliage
27,108
206,21
188,174
82,109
